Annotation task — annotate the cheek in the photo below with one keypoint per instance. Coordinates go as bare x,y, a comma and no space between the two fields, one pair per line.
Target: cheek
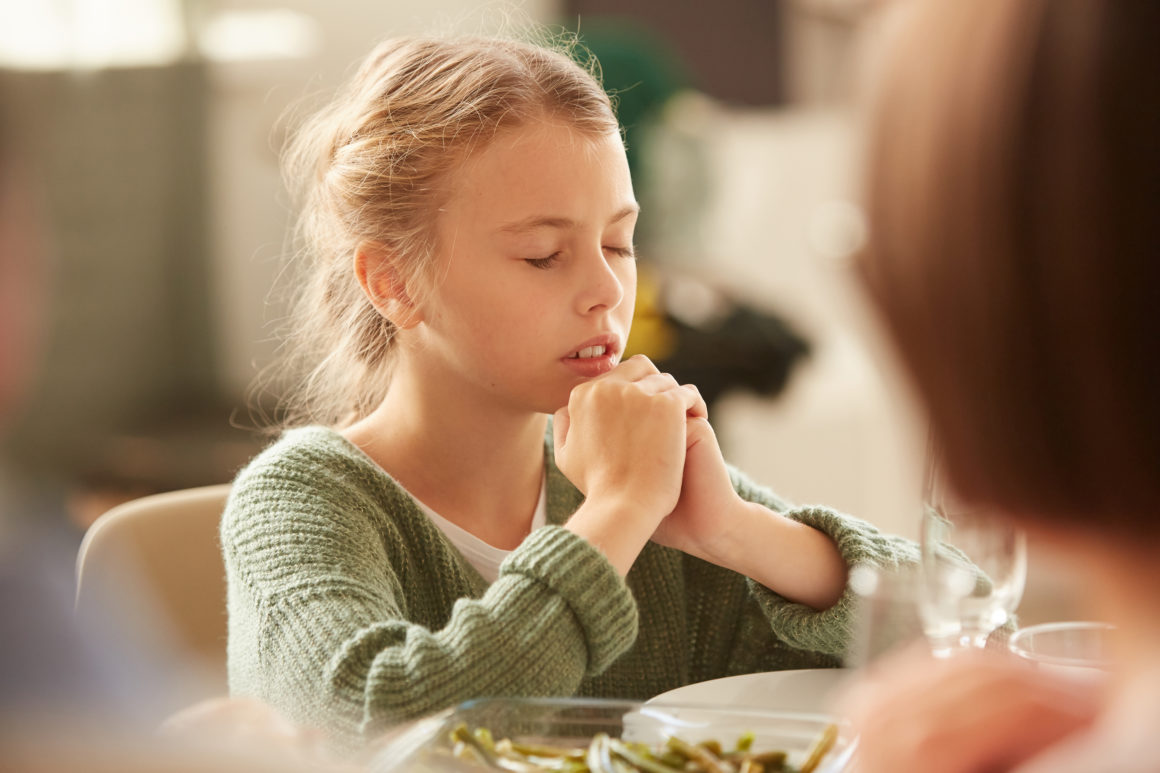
628,282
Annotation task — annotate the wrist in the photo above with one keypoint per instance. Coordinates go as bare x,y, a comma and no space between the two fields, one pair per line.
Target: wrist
618,527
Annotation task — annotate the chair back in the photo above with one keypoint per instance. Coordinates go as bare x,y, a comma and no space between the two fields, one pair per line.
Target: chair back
161,553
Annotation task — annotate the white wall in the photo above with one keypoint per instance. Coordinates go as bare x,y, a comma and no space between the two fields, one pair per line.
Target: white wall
778,195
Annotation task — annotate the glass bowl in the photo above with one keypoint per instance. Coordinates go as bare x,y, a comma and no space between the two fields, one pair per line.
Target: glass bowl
1080,648
574,723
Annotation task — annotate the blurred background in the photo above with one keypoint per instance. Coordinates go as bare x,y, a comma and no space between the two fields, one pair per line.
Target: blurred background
153,130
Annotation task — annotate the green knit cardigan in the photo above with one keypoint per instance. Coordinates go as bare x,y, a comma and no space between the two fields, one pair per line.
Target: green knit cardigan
350,611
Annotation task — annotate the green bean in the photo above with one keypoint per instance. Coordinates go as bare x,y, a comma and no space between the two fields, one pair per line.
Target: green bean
774,760
488,755
641,761
605,754
460,735
504,751
462,751
543,750
599,756
713,746
820,749
700,755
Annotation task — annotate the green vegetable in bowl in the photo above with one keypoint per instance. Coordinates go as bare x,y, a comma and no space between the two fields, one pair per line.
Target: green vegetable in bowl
605,754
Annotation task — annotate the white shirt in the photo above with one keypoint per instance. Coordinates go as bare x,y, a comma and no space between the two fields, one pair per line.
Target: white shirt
484,557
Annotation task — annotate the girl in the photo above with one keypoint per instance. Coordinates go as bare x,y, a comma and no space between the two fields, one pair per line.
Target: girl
425,538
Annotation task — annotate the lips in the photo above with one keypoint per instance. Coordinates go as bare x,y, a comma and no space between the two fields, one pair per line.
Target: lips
599,346
594,357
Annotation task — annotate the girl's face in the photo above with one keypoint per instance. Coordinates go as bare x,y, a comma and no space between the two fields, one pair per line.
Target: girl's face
536,276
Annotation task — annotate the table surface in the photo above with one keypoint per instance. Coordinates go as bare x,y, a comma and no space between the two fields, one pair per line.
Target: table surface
809,690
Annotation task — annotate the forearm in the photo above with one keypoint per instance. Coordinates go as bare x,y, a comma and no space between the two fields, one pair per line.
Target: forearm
353,662
407,670
790,558
616,527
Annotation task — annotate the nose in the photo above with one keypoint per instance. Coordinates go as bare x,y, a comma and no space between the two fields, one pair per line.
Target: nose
602,287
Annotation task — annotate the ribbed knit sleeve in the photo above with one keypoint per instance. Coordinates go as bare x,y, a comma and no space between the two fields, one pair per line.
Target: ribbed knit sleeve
827,631
575,571
349,611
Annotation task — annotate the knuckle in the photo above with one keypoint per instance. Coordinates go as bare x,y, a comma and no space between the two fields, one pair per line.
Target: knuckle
672,402
644,360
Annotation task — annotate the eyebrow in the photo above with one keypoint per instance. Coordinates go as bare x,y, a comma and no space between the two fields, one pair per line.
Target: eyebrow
544,221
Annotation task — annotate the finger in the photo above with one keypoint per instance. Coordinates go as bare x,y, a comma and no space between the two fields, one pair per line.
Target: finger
689,395
700,409
691,399
634,368
656,383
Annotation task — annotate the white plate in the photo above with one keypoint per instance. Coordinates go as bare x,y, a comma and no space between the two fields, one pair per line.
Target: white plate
809,690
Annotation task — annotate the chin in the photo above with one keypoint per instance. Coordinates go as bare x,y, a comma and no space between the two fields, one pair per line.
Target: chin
555,402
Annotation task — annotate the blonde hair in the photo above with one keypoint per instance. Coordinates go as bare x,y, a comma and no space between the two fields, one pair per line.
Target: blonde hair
372,167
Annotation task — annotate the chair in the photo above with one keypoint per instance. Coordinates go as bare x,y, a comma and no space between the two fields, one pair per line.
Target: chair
159,556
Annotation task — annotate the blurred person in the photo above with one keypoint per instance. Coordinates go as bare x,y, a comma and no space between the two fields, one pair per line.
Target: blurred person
421,534
1014,254
84,694
45,664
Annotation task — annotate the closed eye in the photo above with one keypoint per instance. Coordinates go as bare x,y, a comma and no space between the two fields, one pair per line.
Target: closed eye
623,252
547,262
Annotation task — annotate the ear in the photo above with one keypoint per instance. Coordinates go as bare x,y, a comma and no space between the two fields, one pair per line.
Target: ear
374,266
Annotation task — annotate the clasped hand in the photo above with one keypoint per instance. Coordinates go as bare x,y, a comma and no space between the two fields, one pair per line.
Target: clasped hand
641,440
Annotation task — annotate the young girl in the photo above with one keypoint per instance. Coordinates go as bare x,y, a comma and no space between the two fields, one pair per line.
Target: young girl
426,538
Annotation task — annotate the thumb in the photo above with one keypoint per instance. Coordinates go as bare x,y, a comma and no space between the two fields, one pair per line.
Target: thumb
560,422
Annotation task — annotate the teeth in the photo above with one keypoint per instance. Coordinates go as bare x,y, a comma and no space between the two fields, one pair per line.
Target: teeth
589,351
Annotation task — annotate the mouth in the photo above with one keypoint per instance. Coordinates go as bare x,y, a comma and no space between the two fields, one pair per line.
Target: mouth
607,345
588,353
594,357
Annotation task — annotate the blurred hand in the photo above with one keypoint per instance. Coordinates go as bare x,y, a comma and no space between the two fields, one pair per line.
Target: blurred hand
245,724
975,712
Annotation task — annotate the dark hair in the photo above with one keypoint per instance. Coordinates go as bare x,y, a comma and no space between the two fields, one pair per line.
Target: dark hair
1014,189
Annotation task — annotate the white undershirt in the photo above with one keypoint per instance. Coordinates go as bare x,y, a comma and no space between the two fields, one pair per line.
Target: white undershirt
484,557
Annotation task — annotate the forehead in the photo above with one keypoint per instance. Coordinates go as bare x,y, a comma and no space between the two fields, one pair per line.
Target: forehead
546,168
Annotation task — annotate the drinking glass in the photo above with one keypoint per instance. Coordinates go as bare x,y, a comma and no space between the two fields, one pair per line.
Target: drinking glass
974,566
886,616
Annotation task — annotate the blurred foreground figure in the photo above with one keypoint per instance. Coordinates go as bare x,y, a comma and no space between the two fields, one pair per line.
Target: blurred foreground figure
1014,213
79,695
